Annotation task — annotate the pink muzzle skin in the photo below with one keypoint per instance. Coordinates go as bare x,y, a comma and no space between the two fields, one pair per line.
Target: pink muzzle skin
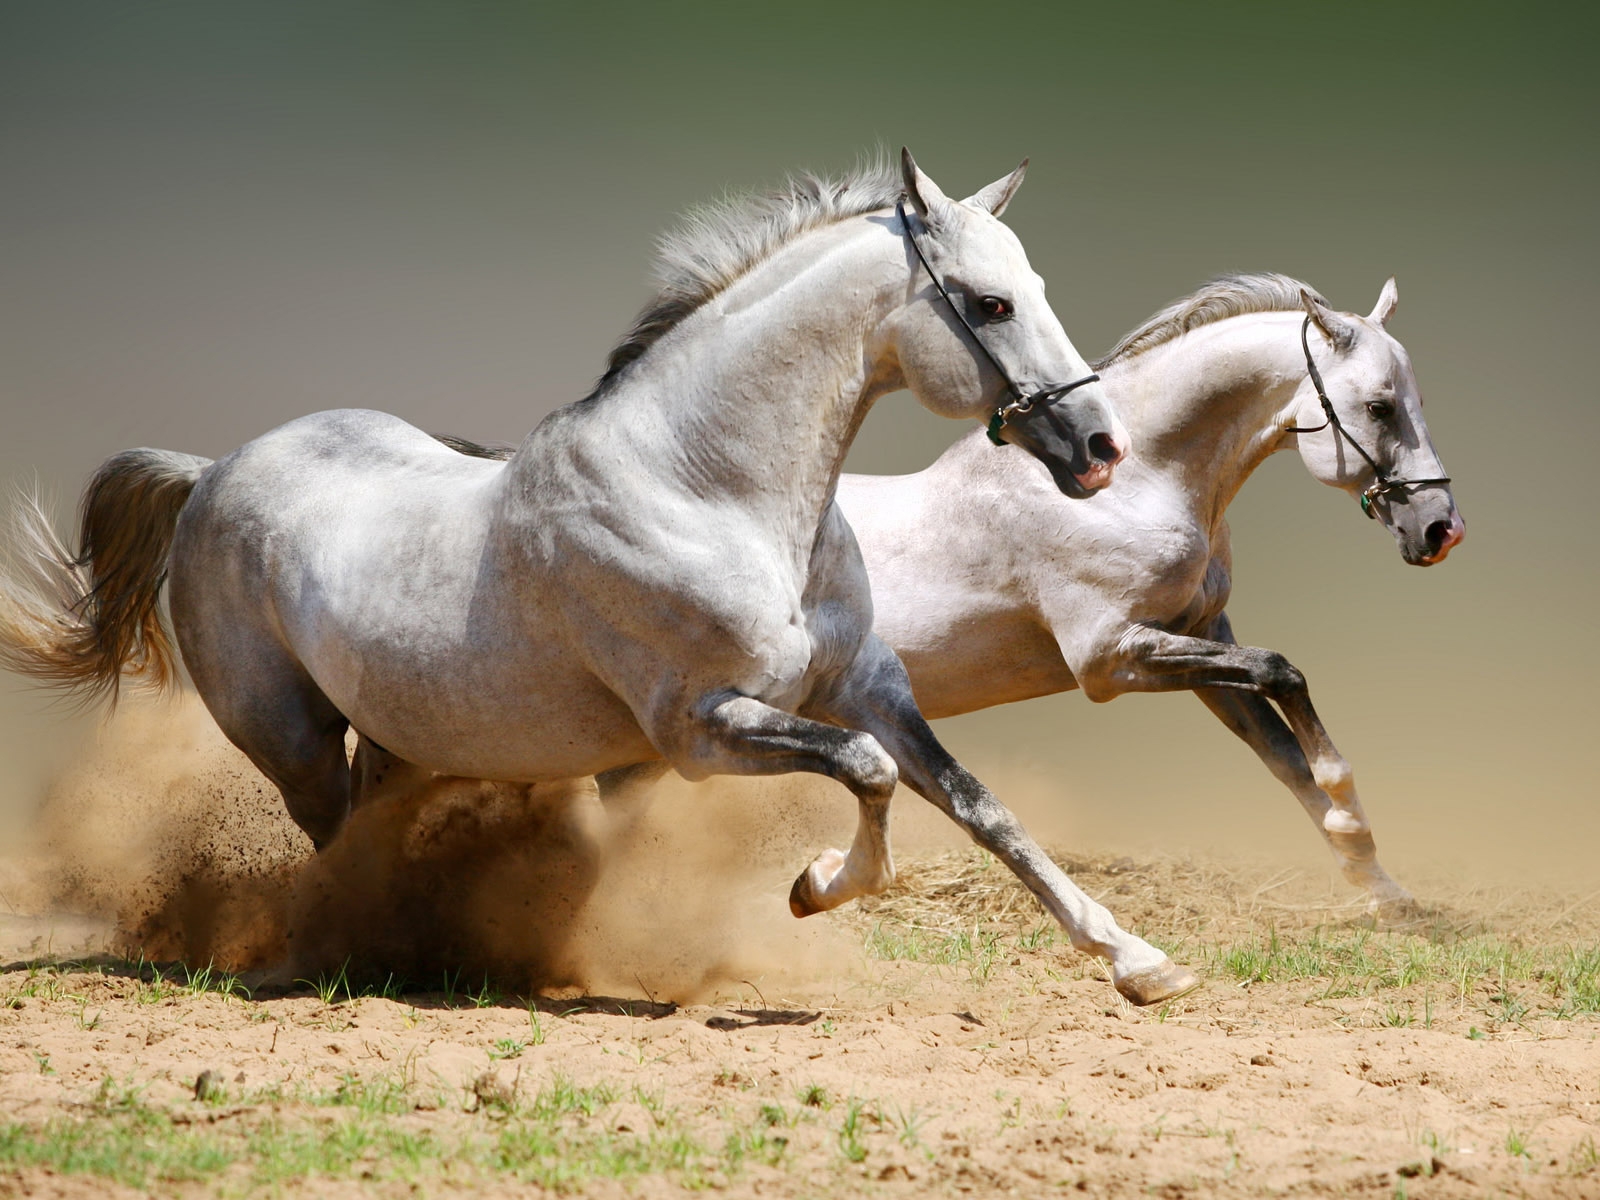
1098,475
1458,531
1101,469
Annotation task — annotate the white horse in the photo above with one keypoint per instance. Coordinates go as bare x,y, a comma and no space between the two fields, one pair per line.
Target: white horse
659,572
990,589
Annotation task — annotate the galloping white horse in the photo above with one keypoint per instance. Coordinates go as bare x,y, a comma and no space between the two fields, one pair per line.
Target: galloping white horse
659,572
990,589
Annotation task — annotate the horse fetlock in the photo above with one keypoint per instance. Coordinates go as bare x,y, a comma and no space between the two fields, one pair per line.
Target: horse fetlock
1346,823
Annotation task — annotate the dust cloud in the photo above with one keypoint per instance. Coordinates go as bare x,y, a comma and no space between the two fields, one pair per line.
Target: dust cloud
166,836
167,833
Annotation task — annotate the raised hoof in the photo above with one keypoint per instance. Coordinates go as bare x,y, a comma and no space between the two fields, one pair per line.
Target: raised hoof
801,902
808,896
1153,985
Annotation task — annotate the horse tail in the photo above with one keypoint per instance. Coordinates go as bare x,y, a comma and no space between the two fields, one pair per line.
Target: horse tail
81,622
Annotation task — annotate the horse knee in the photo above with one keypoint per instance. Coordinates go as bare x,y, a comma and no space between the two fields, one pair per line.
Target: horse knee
1280,677
868,769
987,822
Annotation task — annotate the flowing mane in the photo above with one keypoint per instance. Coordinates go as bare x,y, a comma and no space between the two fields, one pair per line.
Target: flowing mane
716,244
1224,297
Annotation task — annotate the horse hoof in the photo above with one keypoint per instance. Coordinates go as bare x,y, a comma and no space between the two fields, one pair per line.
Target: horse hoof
1397,908
801,901
1153,985
808,896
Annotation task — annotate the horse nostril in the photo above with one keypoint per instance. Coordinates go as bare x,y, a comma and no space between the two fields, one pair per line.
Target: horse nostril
1437,534
1103,449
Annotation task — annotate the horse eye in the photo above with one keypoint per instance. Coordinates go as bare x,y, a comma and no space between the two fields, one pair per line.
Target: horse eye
996,309
1381,410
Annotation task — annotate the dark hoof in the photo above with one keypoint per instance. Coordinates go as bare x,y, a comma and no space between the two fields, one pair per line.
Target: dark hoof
1157,984
802,901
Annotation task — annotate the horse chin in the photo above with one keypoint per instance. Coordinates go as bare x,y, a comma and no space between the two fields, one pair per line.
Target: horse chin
1415,550
1096,477
1415,557
1074,487
1423,559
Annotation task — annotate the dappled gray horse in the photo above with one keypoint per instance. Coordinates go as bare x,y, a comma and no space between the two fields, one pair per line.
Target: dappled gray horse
658,573
990,589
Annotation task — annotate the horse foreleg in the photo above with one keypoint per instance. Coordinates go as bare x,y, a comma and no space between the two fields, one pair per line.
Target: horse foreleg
1260,727
739,735
877,697
1236,682
288,729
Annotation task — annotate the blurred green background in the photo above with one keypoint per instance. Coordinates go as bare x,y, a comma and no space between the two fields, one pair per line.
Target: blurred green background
218,217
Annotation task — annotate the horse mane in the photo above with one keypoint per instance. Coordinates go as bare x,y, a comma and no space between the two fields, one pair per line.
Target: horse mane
717,243
1225,296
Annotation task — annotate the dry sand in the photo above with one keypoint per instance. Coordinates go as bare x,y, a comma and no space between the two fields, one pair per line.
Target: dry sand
865,1051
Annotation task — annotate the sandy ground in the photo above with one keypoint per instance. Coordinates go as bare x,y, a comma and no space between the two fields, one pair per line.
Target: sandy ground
687,1033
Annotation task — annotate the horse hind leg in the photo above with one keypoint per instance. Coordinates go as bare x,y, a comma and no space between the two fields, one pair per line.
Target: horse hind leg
304,756
295,737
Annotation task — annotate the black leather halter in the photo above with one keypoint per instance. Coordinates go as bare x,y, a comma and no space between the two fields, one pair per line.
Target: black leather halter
1021,401
1383,484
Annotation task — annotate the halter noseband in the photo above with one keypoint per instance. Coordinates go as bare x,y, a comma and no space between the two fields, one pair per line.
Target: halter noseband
1021,402
1383,484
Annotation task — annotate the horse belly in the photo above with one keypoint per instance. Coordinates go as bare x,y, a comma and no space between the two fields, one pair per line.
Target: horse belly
467,685
978,661
566,727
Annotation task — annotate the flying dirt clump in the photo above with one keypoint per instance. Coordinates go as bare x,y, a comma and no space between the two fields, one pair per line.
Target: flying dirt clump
170,834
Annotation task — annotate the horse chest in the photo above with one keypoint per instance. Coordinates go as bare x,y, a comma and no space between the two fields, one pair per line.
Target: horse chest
1204,601
1160,564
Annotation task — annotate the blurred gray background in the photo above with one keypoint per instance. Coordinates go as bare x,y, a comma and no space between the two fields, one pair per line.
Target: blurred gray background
217,217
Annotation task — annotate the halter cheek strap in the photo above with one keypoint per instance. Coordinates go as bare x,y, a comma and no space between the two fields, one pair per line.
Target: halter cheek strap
1021,402
1383,484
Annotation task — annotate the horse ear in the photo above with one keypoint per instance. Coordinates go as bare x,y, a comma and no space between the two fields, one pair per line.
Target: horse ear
923,192
994,198
1388,301
1341,330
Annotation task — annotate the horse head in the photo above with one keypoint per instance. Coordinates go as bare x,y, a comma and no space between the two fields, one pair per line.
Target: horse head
1363,432
978,339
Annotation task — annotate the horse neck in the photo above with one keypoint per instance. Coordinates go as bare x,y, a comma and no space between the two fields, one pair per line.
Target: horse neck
758,394
1208,407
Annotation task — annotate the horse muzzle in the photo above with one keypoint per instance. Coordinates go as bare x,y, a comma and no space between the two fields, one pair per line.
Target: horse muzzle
1443,537
1078,440
1425,529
